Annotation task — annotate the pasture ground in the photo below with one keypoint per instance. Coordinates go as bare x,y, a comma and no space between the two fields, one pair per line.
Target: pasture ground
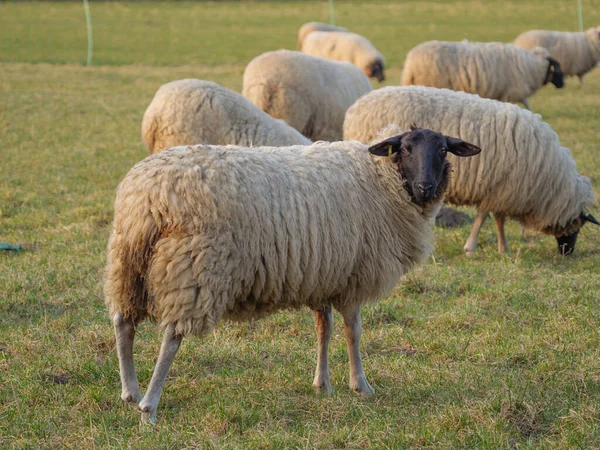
488,352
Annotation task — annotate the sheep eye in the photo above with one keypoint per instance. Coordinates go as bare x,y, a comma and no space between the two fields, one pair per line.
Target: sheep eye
405,150
443,150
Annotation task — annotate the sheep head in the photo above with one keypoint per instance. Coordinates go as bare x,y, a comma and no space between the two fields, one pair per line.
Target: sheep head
566,237
420,158
375,70
554,74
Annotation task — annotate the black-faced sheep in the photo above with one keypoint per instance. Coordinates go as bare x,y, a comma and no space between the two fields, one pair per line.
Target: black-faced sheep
522,171
207,233
346,46
490,69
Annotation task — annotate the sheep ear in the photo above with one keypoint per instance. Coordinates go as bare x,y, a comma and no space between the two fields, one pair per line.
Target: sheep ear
387,147
461,148
587,217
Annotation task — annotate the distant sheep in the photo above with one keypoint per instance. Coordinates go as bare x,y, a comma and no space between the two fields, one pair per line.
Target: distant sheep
311,94
577,53
309,27
207,233
187,112
522,173
346,46
490,69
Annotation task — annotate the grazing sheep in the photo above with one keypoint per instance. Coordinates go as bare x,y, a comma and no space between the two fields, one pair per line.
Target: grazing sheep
346,46
311,94
577,53
491,69
187,112
522,172
206,233
309,27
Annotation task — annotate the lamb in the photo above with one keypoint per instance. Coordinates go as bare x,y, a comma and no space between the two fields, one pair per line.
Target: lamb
309,27
206,233
311,94
191,111
522,173
577,53
346,46
491,69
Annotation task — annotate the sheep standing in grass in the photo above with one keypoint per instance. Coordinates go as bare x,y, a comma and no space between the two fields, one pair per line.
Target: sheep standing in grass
311,94
310,27
577,53
346,46
206,233
522,172
187,112
490,69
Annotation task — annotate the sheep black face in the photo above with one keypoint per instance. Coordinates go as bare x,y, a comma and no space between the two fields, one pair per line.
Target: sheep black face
420,156
554,74
566,242
376,71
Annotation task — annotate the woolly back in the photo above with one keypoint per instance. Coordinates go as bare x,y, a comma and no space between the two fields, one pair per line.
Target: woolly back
491,69
309,27
310,93
191,111
342,46
522,170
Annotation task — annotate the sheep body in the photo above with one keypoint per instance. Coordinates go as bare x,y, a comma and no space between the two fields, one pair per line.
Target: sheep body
259,230
311,94
346,46
310,27
190,111
522,171
490,69
577,52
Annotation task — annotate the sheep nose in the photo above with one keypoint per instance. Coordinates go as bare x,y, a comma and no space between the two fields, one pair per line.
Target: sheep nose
424,187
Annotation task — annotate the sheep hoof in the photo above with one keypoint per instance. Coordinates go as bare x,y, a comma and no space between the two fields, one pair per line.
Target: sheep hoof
363,388
148,417
323,388
131,397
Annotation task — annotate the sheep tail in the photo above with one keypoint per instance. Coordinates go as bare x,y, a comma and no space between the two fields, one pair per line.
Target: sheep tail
130,248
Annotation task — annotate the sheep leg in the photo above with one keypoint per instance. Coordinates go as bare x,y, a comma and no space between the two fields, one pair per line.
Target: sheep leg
170,344
581,81
471,244
526,104
352,330
124,334
502,245
324,325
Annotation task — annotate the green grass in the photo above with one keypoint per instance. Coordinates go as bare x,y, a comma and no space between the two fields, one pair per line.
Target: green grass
488,352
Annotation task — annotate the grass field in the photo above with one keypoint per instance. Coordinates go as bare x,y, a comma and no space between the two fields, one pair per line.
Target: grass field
488,352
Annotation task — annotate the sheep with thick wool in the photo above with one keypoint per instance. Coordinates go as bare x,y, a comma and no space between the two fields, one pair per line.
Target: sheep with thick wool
207,233
493,70
188,112
522,173
310,27
577,52
346,46
310,94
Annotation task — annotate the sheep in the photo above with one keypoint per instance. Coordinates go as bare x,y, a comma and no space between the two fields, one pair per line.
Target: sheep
491,69
522,173
309,27
311,94
187,112
206,233
577,53
346,46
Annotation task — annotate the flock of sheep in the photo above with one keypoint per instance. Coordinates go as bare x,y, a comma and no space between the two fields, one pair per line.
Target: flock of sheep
237,213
